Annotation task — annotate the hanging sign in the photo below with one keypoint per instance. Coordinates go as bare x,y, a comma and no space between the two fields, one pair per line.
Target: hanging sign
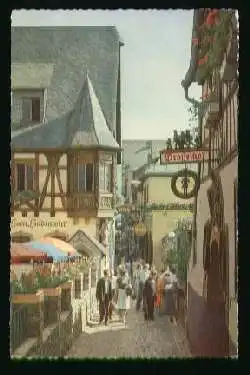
183,156
140,229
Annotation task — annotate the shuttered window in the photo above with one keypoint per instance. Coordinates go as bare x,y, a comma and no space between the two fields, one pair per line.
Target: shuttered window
24,177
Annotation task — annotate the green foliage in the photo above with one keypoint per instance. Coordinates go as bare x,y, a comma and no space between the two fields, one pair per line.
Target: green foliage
183,139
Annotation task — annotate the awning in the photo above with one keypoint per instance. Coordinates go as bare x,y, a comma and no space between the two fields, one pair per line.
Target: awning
86,244
63,246
49,249
21,253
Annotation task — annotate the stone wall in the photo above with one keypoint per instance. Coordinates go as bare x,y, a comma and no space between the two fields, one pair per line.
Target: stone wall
57,338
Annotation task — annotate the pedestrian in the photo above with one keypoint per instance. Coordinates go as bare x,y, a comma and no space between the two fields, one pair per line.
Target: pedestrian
113,279
170,289
104,297
159,291
149,296
136,280
123,295
143,275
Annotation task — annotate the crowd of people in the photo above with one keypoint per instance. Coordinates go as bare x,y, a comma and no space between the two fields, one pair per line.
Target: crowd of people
154,292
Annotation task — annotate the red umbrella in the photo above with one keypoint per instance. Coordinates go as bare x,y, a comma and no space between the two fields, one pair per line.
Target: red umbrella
20,253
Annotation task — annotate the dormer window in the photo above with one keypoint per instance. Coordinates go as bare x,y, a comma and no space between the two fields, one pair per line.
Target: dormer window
27,107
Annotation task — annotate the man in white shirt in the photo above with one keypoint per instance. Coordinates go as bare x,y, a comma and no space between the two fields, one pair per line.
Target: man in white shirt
143,276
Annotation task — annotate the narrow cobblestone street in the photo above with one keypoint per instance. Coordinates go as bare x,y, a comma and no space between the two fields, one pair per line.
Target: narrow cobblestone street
138,339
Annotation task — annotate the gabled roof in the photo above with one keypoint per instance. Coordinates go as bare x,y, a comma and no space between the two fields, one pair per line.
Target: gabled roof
84,126
83,242
71,51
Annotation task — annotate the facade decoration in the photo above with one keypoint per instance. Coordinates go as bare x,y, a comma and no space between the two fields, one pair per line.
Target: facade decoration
185,184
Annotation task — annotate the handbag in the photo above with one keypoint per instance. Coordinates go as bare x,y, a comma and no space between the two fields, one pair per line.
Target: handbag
133,295
128,290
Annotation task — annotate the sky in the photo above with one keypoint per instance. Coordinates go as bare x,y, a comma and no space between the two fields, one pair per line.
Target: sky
154,60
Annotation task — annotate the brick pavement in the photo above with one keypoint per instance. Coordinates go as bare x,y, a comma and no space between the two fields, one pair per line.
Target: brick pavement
138,339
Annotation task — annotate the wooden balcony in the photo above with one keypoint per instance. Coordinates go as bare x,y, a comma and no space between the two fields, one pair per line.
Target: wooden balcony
82,204
87,204
106,205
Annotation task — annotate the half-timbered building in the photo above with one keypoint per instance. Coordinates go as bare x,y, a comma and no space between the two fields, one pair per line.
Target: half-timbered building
65,132
212,277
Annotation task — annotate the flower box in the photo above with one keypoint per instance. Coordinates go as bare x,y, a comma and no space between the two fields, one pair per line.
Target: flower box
28,298
52,305
66,296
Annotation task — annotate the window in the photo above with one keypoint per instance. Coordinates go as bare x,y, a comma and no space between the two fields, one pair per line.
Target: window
27,106
24,177
105,177
83,178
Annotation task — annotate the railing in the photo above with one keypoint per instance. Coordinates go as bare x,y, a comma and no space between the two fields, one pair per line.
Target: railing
84,201
18,326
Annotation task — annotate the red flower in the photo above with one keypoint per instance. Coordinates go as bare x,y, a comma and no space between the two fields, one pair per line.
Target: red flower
204,96
195,40
203,60
211,17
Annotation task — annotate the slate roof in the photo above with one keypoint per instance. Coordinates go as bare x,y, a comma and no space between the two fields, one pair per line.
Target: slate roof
72,51
84,126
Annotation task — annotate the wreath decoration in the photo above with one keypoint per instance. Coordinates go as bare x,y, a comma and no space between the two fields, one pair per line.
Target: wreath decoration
184,173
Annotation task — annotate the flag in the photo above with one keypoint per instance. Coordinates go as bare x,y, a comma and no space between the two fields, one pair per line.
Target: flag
148,146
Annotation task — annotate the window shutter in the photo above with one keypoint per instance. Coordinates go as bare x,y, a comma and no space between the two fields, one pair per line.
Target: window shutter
82,177
89,177
26,110
20,177
29,177
36,107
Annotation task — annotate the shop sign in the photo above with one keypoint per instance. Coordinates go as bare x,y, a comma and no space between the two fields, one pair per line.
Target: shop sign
32,223
183,156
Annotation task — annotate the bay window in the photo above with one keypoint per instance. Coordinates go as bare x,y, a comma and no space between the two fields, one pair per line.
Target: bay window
83,178
105,177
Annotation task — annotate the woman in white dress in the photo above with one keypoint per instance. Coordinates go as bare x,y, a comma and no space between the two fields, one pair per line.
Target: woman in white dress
123,295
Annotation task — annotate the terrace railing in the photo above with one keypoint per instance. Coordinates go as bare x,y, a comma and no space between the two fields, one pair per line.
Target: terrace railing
18,326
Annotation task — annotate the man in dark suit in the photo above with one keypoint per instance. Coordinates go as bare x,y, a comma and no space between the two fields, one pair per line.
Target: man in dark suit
104,296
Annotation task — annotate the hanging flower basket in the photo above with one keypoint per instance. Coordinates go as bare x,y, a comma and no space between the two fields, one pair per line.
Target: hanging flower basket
213,40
